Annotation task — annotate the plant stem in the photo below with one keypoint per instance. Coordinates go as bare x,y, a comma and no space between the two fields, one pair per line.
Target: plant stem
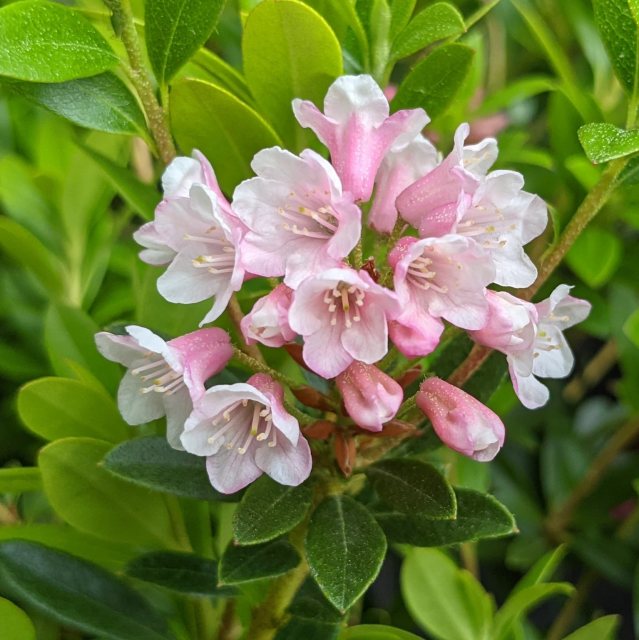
259,366
158,121
236,315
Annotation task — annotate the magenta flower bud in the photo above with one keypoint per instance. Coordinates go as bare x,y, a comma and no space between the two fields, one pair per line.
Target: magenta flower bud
370,396
462,422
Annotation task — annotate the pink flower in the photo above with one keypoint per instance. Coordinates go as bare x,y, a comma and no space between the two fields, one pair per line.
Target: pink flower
442,278
300,221
357,129
370,396
267,321
164,378
244,430
343,315
462,422
401,167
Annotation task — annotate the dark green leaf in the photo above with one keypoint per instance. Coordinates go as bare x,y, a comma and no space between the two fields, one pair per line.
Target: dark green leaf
601,629
413,487
436,22
478,516
245,564
175,30
619,32
14,622
101,102
20,479
289,52
47,42
345,549
153,463
484,382
77,593
435,81
228,132
297,628
268,510
183,572
603,142
376,632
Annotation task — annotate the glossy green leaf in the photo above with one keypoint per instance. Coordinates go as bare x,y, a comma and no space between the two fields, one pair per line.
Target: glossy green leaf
376,632
89,498
228,132
77,593
246,564
47,42
181,572
268,510
479,516
153,463
601,629
20,479
289,52
175,30
603,142
345,549
14,622
435,81
56,408
619,32
446,601
436,22
101,102
595,256
413,487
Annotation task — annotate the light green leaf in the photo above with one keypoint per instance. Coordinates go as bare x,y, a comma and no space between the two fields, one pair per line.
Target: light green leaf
345,549
514,92
445,601
89,498
101,102
479,516
56,408
595,256
268,510
542,570
603,142
401,12
175,30
14,622
77,593
246,564
20,479
289,52
47,42
228,132
223,74
376,632
436,22
435,81
601,629
631,327
413,487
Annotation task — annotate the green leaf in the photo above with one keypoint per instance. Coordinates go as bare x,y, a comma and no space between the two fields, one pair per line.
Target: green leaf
518,605
514,92
603,142
595,256
153,463
543,569
479,516
228,132
23,247
601,629
181,572
446,601
101,102
20,479
345,549
142,198
289,52
175,30
376,632
401,12
77,593
413,487
56,408
484,382
14,622
268,510
619,32
631,327
223,74
91,499
436,22
435,81
47,42
246,564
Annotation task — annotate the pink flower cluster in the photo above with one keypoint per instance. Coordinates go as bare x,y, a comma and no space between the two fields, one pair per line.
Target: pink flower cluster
457,228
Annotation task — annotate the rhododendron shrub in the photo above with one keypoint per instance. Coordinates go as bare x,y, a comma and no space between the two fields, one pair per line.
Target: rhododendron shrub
310,307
